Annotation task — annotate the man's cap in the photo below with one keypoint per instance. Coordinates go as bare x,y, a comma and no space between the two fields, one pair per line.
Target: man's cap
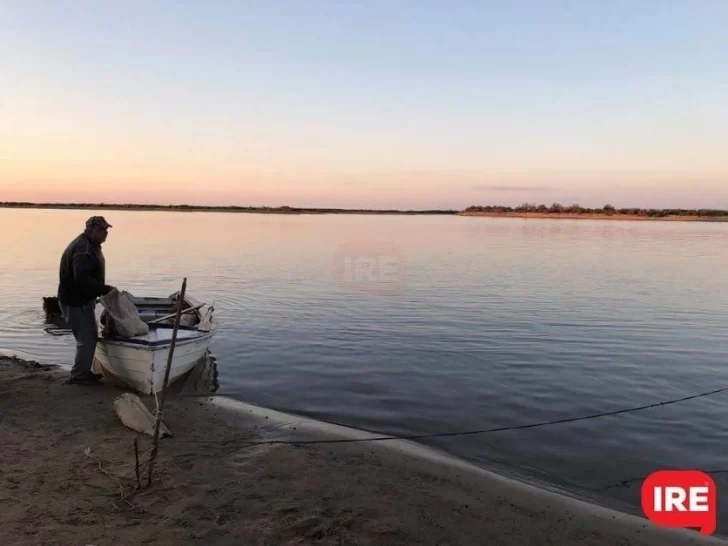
97,222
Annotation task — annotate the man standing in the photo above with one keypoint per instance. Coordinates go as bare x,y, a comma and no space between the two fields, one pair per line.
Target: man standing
82,280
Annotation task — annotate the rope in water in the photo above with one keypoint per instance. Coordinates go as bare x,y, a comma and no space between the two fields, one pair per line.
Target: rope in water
482,431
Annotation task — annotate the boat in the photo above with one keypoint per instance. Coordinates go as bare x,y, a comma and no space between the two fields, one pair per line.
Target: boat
140,361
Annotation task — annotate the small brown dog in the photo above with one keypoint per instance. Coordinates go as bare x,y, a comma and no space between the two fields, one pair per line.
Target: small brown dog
53,312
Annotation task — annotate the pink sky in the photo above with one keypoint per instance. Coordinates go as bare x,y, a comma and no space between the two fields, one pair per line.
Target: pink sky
59,150
343,106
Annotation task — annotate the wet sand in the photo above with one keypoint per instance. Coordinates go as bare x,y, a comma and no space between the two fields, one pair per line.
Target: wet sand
67,478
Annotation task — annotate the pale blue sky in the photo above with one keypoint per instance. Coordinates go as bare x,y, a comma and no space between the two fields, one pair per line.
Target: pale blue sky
407,104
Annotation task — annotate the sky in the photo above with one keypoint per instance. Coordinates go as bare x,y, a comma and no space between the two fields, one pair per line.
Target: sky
377,104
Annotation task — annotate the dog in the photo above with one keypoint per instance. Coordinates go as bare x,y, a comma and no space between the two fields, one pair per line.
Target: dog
53,313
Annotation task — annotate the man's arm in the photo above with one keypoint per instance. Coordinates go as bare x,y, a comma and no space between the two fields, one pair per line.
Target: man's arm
83,267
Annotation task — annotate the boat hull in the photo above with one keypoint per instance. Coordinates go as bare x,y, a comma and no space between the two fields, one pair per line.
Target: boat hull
142,366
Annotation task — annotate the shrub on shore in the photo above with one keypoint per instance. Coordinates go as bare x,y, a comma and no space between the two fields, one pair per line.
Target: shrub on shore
607,210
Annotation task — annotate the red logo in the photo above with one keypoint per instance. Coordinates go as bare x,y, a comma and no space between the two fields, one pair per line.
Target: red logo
680,498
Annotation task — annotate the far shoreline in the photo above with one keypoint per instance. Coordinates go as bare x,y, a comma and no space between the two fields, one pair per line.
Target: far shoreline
588,216
226,209
667,215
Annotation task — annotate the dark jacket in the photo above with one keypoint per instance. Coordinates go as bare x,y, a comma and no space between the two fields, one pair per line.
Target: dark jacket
82,273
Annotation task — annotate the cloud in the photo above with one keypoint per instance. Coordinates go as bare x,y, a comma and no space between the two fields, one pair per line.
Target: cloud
488,187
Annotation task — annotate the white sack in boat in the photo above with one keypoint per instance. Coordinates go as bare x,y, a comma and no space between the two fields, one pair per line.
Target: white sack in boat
135,415
206,321
120,307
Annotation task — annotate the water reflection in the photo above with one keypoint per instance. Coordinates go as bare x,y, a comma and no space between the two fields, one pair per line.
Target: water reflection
202,379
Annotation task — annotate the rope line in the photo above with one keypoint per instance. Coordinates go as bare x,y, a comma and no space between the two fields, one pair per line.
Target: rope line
629,481
484,431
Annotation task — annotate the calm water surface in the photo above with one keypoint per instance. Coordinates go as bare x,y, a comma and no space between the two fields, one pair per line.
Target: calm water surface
492,322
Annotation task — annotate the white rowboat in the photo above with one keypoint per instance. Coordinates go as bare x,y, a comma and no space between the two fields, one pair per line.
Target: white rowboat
140,361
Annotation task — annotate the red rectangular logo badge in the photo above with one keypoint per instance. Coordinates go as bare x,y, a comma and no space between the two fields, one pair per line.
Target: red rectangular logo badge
680,498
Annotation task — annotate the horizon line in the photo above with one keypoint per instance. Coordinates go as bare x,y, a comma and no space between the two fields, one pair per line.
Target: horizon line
288,209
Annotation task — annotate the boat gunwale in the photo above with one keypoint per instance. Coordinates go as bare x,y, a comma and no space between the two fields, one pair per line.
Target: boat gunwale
165,343
154,345
160,344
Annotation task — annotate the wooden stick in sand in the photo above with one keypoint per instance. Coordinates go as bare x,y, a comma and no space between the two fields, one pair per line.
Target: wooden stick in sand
160,409
136,461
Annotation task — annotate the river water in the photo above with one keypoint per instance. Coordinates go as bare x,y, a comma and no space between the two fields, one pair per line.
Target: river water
427,324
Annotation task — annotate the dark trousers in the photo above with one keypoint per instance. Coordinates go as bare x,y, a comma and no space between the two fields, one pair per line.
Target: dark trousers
82,321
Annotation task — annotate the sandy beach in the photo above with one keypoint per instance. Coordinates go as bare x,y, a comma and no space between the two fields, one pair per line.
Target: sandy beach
67,478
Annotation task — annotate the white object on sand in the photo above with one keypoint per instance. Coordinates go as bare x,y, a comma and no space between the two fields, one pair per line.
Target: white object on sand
140,361
135,415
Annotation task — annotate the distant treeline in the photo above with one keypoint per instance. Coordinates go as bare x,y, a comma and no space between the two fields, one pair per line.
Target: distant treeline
204,208
556,208
608,210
